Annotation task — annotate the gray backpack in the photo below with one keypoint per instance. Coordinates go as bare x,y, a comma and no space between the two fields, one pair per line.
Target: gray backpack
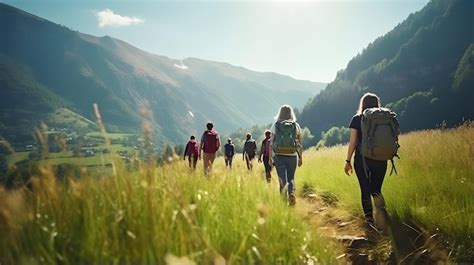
380,130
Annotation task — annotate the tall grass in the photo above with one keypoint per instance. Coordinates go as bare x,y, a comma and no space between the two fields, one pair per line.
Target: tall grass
155,215
434,186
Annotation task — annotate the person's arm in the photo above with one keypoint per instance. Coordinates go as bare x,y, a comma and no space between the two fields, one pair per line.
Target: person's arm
270,152
218,142
350,151
299,150
201,147
185,151
261,151
299,145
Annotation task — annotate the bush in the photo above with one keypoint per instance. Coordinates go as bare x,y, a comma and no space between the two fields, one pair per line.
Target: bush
334,136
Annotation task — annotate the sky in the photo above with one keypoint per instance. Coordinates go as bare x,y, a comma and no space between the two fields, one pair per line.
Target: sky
309,40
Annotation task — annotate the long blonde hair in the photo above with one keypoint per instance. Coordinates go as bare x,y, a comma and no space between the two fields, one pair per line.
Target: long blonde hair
285,113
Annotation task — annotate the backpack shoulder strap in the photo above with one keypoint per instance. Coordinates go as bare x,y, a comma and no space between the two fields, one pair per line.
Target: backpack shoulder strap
394,169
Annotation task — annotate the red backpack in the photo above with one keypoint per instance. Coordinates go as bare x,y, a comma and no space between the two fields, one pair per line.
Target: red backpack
193,148
210,142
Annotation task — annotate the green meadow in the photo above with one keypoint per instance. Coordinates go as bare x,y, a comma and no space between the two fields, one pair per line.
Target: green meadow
68,157
155,215
170,214
434,188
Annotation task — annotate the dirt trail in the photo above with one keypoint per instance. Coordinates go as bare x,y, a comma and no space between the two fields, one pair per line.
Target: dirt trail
358,244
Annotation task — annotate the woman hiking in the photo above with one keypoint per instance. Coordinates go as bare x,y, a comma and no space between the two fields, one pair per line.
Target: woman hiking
370,173
286,150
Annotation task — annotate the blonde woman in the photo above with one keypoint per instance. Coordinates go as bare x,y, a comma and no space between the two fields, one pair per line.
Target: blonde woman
286,152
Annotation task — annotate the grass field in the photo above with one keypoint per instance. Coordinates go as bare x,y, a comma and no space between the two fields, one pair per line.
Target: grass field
169,214
67,117
434,187
153,216
111,136
67,157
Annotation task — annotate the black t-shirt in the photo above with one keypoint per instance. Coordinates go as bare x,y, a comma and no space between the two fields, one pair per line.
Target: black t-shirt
355,124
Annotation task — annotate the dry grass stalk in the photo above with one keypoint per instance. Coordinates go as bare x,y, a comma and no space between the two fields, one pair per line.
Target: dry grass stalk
104,134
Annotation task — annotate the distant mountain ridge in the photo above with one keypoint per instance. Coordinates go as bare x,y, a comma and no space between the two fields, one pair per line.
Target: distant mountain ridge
45,66
423,69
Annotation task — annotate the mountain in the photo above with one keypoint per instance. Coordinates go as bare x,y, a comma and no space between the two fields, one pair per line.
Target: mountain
45,67
423,69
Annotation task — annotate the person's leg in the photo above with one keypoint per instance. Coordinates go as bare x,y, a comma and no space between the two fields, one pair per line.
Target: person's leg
195,159
281,171
212,157
189,160
230,161
291,163
268,169
205,159
377,171
226,159
377,174
247,162
364,185
252,158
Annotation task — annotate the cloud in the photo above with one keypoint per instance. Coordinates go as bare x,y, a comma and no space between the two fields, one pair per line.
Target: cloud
107,18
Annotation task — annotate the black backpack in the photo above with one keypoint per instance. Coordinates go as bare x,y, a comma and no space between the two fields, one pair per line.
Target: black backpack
250,147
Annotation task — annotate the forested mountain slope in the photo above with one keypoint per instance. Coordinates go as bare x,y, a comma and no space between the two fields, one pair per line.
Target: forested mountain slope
423,69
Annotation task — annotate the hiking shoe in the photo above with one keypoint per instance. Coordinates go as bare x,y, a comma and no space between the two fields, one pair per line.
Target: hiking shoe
292,200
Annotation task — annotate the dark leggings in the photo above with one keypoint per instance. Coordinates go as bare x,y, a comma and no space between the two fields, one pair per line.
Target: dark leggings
370,183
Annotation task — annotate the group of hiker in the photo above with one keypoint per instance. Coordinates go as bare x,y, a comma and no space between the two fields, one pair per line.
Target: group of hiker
373,140
210,143
281,149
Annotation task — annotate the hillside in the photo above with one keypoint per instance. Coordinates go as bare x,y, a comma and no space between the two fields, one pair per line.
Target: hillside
235,217
429,201
423,69
45,66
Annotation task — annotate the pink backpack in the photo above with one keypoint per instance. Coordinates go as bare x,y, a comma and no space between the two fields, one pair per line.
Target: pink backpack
193,148
210,142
